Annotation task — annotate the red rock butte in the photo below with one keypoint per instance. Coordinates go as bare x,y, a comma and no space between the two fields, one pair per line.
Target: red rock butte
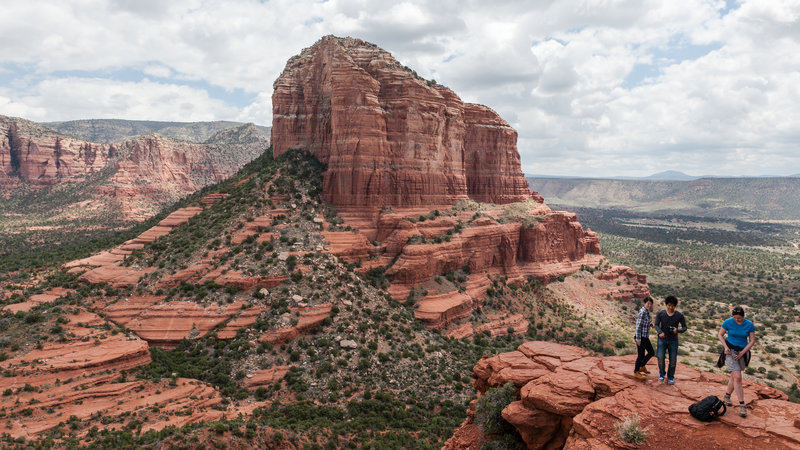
389,137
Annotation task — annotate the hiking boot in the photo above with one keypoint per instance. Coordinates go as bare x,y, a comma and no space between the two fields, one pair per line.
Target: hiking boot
639,376
727,400
643,369
742,410
661,379
671,381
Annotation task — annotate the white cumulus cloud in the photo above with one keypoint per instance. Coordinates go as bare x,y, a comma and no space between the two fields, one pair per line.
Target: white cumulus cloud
594,87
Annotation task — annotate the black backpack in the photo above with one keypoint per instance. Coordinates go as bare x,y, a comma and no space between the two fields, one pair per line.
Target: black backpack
708,408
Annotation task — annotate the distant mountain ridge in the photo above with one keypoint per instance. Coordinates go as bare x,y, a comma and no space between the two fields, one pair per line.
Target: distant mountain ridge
107,131
665,175
742,198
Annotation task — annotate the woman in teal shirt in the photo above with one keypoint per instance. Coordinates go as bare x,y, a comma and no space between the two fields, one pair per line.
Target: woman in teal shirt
741,337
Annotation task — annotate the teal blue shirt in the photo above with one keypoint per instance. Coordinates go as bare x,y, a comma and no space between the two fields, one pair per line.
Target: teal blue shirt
737,334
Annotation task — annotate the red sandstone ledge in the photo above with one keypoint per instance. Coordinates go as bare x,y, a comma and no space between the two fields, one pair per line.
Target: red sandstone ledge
571,400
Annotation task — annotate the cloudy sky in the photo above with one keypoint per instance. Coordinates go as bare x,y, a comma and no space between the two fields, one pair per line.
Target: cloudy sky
594,87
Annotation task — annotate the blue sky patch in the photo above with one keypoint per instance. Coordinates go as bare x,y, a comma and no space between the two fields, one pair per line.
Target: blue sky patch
677,50
730,5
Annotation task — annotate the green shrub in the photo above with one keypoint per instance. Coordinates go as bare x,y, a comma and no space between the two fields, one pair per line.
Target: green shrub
490,406
630,430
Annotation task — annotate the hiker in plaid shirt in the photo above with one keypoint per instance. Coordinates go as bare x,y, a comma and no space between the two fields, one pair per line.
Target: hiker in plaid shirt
642,337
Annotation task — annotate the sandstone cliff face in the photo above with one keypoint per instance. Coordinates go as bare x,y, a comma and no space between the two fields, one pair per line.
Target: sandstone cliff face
389,137
32,154
144,173
571,400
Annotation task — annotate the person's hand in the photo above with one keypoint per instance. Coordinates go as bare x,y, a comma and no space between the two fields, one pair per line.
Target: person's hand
736,358
727,351
638,343
662,336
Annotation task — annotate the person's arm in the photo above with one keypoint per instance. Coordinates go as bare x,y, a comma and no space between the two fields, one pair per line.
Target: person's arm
657,325
752,341
682,322
721,337
637,335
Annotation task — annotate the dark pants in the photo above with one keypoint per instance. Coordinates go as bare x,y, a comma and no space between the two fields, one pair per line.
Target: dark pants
663,346
642,358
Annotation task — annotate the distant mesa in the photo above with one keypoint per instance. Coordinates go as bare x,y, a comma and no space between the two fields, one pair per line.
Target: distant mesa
671,175
389,137
142,174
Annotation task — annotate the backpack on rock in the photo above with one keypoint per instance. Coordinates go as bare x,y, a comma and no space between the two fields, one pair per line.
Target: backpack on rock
708,408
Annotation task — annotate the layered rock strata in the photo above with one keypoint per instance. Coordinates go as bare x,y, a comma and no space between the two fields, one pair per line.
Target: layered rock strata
165,324
389,137
571,400
518,250
83,377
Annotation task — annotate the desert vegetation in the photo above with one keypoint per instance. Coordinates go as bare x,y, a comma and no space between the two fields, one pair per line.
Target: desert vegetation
367,373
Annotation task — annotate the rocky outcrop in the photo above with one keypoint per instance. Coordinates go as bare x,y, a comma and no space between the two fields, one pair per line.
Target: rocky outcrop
83,376
308,318
143,174
265,377
165,324
491,158
572,400
555,245
155,167
388,136
38,299
498,325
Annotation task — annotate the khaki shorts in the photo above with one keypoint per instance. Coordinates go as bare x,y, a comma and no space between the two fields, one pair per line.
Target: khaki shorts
732,364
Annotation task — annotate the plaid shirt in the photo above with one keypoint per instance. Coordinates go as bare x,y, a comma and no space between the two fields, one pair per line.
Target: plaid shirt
642,325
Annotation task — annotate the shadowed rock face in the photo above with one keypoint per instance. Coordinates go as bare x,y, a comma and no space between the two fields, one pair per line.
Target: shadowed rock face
389,137
571,400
